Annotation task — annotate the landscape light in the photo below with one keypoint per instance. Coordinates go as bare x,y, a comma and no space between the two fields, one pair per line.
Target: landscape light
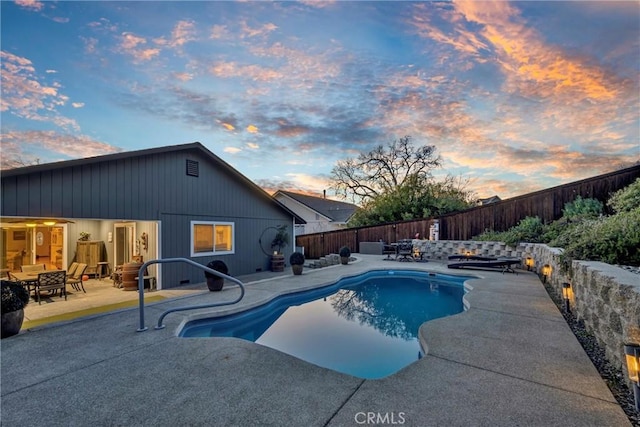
632,354
529,263
566,291
546,272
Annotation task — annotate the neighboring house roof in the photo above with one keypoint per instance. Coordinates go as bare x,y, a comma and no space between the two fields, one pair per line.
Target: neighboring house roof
259,192
334,210
489,200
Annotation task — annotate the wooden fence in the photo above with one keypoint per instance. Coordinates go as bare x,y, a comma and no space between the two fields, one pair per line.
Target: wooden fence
546,204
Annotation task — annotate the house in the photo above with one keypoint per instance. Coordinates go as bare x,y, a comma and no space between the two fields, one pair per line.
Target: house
178,201
489,200
320,214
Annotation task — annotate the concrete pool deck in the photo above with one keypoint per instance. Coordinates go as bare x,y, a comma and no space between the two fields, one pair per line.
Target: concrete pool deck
511,359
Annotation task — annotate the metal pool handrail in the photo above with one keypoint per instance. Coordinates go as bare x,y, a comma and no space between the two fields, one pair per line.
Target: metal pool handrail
142,327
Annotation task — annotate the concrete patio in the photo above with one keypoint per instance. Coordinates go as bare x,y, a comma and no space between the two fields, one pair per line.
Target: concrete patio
510,359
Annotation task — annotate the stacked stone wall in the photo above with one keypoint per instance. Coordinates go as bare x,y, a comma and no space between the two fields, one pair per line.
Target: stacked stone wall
441,249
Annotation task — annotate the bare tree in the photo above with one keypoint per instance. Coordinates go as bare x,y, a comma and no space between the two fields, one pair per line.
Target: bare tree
8,162
383,169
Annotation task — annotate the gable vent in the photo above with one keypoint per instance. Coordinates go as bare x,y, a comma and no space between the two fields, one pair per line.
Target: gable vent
192,168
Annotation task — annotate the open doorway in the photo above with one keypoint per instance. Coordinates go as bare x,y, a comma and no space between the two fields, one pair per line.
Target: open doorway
48,247
124,242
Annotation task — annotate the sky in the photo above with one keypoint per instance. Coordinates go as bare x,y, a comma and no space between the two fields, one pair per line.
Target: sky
516,96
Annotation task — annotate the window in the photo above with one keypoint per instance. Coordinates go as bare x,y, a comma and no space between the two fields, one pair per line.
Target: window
211,238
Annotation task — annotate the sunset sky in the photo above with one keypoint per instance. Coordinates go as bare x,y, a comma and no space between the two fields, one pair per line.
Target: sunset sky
516,96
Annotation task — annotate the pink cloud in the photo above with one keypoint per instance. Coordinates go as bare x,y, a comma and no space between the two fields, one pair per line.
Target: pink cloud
31,4
18,148
25,96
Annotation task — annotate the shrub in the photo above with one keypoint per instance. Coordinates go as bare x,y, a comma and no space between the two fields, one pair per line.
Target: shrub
296,258
490,236
560,233
555,230
581,209
626,199
530,229
345,252
14,296
614,240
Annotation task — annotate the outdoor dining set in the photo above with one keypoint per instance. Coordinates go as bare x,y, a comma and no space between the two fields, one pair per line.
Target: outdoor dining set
36,278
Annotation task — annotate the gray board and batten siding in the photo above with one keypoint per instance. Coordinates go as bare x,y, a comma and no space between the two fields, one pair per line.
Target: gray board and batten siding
174,185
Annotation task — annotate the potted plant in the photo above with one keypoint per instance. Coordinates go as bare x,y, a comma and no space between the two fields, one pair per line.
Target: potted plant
345,253
215,283
297,263
279,241
84,236
14,298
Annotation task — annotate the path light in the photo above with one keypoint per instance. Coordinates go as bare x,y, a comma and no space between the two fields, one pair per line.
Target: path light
632,354
546,272
529,263
566,293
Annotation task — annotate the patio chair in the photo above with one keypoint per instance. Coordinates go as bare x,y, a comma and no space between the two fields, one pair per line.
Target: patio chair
32,268
116,276
405,250
51,281
76,280
388,250
72,269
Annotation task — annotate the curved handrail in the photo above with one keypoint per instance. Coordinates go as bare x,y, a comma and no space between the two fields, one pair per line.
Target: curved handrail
142,327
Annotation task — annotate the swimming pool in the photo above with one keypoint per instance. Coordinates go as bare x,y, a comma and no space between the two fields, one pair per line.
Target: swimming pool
365,325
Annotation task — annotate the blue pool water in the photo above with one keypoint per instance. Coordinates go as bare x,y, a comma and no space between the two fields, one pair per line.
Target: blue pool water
365,326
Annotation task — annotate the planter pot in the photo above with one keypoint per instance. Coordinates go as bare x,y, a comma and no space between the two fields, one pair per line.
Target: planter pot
129,274
277,263
12,322
297,269
344,260
215,284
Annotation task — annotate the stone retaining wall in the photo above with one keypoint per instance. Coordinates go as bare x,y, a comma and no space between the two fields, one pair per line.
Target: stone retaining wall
441,249
605,297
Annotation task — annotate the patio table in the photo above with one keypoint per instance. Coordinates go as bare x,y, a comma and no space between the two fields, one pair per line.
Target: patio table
28,279
25,277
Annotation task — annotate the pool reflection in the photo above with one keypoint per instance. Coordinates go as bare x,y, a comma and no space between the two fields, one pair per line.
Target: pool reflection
367,328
